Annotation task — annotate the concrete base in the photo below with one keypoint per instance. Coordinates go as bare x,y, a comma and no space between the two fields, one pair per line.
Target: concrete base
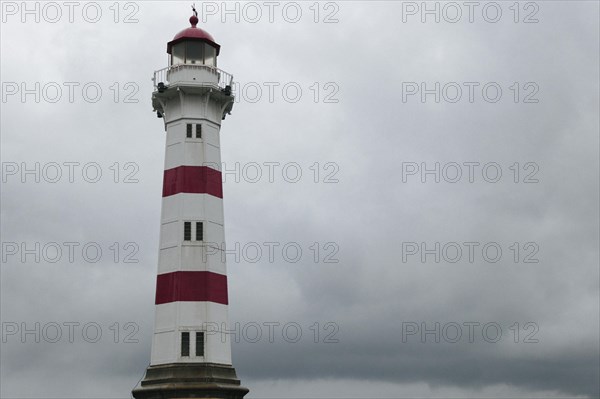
190,380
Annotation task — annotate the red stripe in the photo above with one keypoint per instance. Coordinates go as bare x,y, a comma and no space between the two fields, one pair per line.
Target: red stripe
192,179
191,287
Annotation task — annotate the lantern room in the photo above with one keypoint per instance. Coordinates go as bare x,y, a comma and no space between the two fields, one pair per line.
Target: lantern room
192,65
193,46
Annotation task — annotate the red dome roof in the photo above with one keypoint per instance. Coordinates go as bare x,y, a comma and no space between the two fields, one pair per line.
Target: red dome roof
193,33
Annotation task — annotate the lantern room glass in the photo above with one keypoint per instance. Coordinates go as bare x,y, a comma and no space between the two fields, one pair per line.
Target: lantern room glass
194,53
178,54
210,55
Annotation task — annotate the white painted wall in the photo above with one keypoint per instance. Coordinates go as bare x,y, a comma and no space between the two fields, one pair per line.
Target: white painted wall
178,255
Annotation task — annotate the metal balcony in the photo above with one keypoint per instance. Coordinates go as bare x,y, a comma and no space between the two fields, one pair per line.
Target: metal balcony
192,74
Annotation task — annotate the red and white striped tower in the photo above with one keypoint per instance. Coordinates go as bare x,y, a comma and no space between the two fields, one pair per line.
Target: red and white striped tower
191,354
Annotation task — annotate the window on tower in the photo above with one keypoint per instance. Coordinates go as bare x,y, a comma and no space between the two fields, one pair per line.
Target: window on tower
187,231
199,343
199,231
198,131
189,131
185,343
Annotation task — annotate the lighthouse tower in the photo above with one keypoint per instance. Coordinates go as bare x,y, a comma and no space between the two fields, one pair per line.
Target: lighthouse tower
191,352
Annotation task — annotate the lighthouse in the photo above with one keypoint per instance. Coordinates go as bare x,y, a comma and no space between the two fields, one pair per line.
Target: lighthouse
191,351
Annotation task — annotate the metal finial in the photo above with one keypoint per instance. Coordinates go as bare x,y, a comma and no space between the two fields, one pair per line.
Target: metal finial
194,9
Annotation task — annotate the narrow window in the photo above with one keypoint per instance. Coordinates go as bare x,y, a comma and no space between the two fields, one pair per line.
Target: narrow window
198,131
199,343
187,231
199,231
189,131
185,343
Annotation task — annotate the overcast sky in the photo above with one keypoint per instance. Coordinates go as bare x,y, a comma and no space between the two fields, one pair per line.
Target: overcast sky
484,283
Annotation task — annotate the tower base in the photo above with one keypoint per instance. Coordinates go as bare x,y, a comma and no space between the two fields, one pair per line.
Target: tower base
190,380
